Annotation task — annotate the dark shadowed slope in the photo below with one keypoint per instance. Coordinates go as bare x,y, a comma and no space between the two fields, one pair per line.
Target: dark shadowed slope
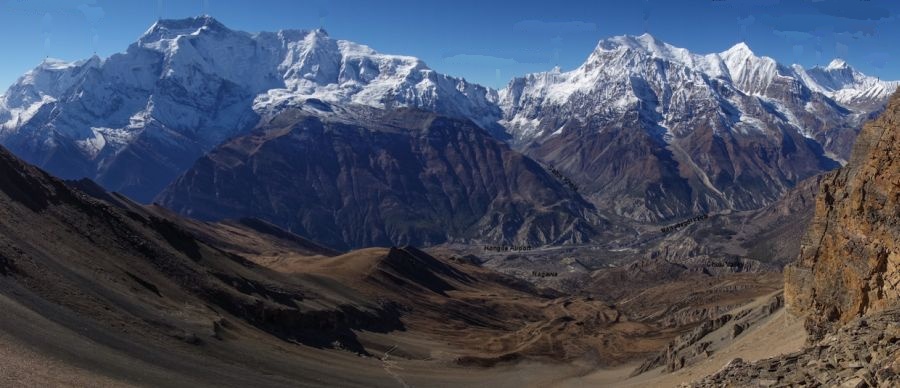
121,294
131,295
355,177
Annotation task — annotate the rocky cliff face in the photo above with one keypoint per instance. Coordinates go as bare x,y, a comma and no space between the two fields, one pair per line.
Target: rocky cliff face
849,263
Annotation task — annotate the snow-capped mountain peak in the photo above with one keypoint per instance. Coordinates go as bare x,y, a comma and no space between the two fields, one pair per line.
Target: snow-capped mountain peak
846,85
740,49
837,64
613,69
338,71
748,72
644,43
173,28
44,84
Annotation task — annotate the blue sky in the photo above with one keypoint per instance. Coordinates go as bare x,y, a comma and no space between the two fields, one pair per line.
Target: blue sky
485,41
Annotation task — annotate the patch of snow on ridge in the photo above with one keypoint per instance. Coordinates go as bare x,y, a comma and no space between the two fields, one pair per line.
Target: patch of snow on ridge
93,145
558,131
18,115
750,122
524,127
789,117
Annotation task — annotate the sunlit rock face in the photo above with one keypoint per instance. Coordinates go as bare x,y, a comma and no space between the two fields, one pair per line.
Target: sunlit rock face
849,264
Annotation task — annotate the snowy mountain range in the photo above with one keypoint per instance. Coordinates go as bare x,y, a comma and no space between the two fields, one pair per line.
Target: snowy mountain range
678,78
847,86
137,119
662,131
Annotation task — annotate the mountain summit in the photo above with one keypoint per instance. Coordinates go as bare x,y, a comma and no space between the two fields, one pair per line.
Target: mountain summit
171,28
837,64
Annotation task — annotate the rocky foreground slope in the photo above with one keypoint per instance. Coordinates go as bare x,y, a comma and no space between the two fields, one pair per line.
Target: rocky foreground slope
864,353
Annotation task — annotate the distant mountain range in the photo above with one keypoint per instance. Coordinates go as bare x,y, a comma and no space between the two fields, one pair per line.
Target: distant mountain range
642,130
661,132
